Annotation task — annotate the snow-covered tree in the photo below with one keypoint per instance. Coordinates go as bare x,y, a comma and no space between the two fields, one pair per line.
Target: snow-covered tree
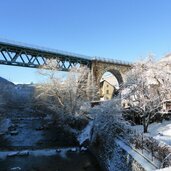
147,86
66,95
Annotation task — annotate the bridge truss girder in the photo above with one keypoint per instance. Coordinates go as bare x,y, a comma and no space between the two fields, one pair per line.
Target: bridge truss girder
27,57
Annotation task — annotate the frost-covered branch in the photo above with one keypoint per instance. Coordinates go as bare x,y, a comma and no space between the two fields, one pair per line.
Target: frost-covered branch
147,86
66,95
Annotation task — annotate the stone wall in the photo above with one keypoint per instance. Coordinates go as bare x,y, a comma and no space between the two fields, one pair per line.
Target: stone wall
119,160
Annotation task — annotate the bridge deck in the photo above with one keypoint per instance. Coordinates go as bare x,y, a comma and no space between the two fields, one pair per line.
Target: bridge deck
34,48
21,54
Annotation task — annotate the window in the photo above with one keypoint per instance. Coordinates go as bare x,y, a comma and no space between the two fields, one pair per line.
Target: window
107,91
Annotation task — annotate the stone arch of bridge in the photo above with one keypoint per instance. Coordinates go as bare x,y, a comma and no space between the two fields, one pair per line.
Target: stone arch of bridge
98,68
115,73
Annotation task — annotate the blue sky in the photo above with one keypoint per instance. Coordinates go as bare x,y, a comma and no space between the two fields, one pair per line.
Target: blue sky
119,29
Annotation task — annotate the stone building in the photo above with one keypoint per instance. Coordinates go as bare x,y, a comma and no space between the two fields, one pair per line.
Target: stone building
106,90
108,86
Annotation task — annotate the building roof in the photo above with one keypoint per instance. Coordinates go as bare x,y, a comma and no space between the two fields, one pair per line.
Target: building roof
111,79
101,83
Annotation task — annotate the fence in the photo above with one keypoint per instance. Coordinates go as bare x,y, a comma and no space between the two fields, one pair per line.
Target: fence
158,153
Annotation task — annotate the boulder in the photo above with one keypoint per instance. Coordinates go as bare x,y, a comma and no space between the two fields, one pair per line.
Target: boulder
58,150
14,132
2,134
83,149
15,168
72,150
12,154
23,153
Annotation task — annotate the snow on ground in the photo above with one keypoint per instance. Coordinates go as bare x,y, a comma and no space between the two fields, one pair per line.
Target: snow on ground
86,133
159,131
165,169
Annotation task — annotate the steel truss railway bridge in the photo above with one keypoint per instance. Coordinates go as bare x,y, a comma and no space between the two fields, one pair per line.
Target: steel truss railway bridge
24,55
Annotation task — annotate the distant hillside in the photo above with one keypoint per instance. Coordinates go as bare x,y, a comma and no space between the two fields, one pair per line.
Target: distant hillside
16,95
4,82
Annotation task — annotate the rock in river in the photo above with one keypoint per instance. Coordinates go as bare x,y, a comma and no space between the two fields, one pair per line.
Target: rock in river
11,154
14,132
23,153
15,168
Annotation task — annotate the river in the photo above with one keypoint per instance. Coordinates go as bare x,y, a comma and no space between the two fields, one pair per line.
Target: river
50,160
48,150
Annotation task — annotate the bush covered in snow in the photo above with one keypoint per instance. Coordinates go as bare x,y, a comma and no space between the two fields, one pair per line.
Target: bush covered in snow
104,131
109,125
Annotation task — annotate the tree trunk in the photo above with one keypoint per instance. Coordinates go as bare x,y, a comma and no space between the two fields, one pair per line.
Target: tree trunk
145,124
145,128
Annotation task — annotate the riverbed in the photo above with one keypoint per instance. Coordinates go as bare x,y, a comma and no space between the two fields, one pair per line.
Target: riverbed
48,149
66,159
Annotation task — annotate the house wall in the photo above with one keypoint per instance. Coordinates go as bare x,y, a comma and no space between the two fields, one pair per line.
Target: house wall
107,91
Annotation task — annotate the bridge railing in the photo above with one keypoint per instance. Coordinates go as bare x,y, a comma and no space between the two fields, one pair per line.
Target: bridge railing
112,60
74,56
41,48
